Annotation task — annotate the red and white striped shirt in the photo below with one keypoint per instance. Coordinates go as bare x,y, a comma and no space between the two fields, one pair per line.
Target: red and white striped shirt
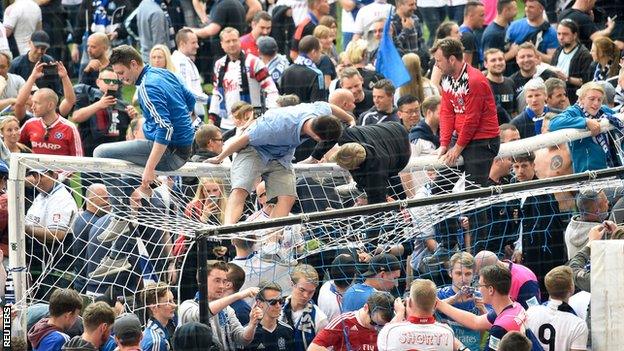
60,138
345,332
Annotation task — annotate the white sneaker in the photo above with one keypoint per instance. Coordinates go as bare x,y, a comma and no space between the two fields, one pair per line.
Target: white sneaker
109,266
115,228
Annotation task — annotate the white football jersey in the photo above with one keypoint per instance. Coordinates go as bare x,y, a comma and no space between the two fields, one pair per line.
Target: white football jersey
428,336
557,330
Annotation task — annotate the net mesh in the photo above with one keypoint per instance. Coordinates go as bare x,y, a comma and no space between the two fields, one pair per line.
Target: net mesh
157,237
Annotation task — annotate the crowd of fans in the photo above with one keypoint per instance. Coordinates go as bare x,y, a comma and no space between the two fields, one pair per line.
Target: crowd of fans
511,276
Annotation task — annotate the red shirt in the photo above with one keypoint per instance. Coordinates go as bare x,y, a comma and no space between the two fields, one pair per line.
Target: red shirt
467,108
248,44
360,338
61,138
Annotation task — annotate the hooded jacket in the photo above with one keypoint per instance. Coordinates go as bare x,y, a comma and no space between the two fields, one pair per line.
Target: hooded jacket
421,135
576,235
77,343
44,336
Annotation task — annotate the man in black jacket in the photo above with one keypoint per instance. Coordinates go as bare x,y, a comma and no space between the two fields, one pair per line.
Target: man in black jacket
303,78
572,58
374,155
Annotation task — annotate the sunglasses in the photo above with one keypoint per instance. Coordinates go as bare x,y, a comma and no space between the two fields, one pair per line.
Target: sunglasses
273,302
110,81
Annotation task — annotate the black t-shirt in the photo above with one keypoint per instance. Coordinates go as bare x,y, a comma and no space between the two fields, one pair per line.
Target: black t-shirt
494,37
327,67
106,126
504,94
280,339
469,41
586,26
364,105
519,81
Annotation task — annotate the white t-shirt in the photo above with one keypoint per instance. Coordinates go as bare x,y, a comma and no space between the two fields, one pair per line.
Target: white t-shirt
291,238
411,336
563,63
54,210
4,42
299,9
347,21
329,301
580,303
22,17
570,331
369,13
191,79
13,84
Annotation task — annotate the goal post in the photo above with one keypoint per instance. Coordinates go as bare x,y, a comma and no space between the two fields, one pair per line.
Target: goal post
323,229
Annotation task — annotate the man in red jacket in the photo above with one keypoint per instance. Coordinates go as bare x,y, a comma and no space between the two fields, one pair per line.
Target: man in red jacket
467,114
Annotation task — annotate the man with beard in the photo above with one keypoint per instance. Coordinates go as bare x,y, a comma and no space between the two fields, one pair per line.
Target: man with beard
572,58
97,48
97,319
556,94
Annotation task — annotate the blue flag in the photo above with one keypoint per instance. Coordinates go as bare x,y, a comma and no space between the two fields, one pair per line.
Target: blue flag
389,61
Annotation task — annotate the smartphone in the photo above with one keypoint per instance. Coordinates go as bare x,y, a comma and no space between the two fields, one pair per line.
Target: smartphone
110,92
214,199
468,290
50,69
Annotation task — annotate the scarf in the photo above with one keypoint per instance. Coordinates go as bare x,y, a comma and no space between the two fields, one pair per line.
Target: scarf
304,328
537,120
304,60
602,139
602,73
244,88
100,16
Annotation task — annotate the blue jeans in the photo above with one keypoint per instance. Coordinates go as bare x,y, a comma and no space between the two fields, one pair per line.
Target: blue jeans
137,152
433,17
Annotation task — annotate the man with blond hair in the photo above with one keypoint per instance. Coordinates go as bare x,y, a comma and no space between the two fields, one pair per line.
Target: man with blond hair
374,155
556,322
420,326
529,122
598,151
299,311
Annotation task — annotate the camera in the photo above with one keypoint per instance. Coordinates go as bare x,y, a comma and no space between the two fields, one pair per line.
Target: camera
50,69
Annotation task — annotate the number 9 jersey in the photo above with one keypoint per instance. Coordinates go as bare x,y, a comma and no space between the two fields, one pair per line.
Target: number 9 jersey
557,327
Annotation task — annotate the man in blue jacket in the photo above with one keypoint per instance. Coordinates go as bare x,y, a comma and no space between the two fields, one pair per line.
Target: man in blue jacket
167,107
599,151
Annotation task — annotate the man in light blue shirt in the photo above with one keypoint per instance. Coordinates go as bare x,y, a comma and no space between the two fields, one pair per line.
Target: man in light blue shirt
266,150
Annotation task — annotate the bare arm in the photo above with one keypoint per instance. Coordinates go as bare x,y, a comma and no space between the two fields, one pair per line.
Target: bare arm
86,112
208,31
342,115
200,9
547,57
44,234
69,97
316,347
7,102
217,306
8,31
149,174
24,93
236,144
464,318
254,6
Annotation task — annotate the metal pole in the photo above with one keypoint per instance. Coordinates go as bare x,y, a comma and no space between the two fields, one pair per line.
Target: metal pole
17,240
202,269
433,200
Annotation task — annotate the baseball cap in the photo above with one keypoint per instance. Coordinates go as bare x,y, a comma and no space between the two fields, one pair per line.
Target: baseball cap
382,263
40,38
342,268
127,327
267,45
